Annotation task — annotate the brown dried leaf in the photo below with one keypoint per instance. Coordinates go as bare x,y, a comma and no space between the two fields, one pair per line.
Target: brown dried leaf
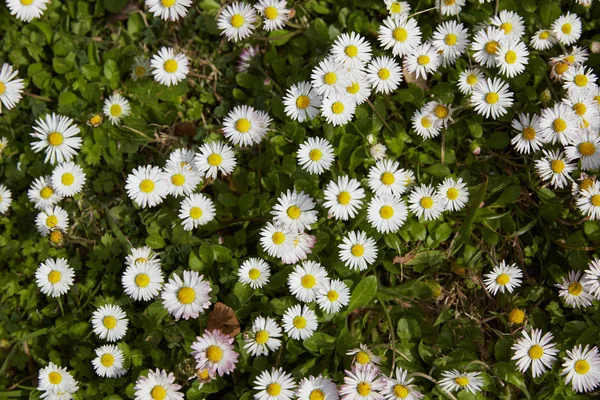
403,259
411,77
223,318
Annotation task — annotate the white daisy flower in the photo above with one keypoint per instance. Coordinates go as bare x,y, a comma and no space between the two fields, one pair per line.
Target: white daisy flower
362,383
397,9
295,210
11,87
423,60
363,356
299,322
274,385
42,194
387,213
274,12
140,67
402,35
535,351
142,254
585,107
304,280
454,194
186,297
351,50
450,7
554,167
440,111
492,97
263,337
5,199
27,10
147,186
143,280
237,21
559,124
54,277
583,183
339,108
317,388
180,180
243,126
591,278
425,202
577,56
277,239
330,77
585,147
588,201
254,272
455,380
378,151
3,144
426,124
343,198
315,155
214,351
387,178
512,57
503,278
169,68
579,79
109,361
302,102
486,44
574,291
384,74
401,387
169,9
451,39
359,88
55,380
529,137
57,137
158,385
332,295
116,107
510,23
183,157
468,79
582,368
567,28
302,247
110,322
358,251
543,39
213,158
68,179
52,218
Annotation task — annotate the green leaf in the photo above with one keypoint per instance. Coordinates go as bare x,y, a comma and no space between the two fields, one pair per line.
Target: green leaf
114,6
246,80
66,98
363,293
408,329
438,170
155,242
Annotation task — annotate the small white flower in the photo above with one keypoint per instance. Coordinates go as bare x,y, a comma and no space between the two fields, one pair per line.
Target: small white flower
529,137
543,39
387,213
140,67
169,68
425,202
492,97
54,277
454,380
213,158
196,210
55,380
186,297
116,107
503,278
332,295
555,168
401,34
378,151
295,210
585,107
423,60
317,388
254,272
486,44
440,111
180,179
330,77
277,239
263,337
510,23
579,79
143,280
574,292
588,201
351,50
454,194
299,322
363,356
274,385
451,39
57,136
5,199
27,10
358,251
304,280
11,87
397,9
142,254
157,385
244,126
591,278
214,352
302,247
559,124
401,387
42,194
426,124
567,28
110,322
468,79
315,155
147,186
512,57
362,383
109,361
386,177
237,21
343,198
52,218
275,13
384,74
339,108
535,351
302,102
585,147
582,368
182,157
68,179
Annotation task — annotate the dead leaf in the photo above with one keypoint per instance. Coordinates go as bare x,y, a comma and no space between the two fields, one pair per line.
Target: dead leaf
403,259
223,318
411,77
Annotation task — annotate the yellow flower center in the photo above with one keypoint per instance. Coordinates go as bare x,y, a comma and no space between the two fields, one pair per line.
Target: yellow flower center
384,73
426,202
271,13
528,133
502,279
55,138
544,35
204,375
308,281
351,51
449,2
254,274
400,391
586,149
471,80
357,250
46,192
278,238
302,102
109,322
580,109
170,66
55,378
141,259
214,354
400,34
510,57
330,78
441,111
147,186
561,68
575,288
506,27
566,28
337,107
237,20
557,166
559,125
516,316
54,276
363,388
451,39
158,393
582,367
261,337
387,178
115,110
178,179
462,381
215,160
195,212
315,154
300,322
536,351
570,59
362,357
26,2
492,98
423,60
452,193
242,125
343,198
167,3
332,295
294,212
274,389
107,360
386,212
140,71
491,47
581,80
317,394
56,236
597,98
2,87
51,221
586,184
142,280
67,179
395,8
186,295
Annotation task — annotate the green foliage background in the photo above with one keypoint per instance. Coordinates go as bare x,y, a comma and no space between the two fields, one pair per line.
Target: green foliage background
428,303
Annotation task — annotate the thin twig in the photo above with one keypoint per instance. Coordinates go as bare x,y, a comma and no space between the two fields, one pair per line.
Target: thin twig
389,318
379,115
35,96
